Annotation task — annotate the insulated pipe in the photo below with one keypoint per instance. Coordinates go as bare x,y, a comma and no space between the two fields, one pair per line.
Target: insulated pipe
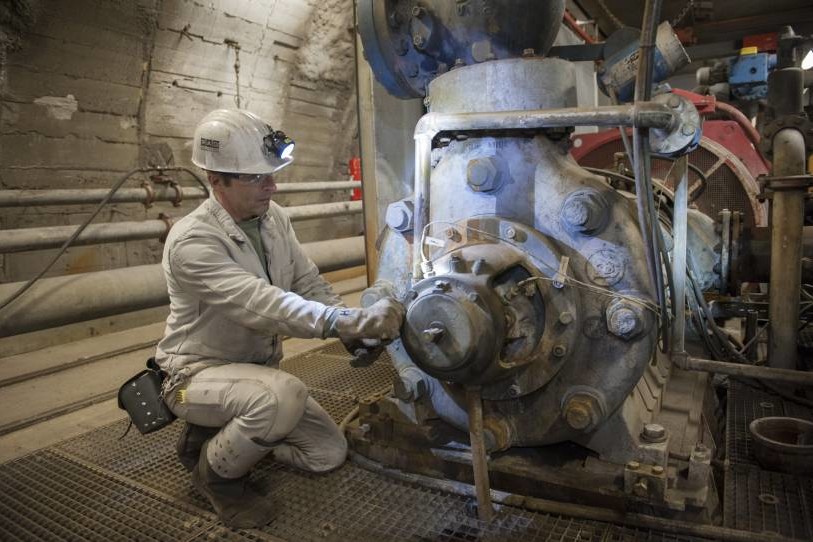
160,192
22,240
64,300
649,115
787,223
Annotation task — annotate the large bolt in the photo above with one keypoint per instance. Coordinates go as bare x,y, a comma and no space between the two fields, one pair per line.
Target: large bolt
688,129
624,319
418,41
559,350
483,174
582,411
584,212
400,215
654,432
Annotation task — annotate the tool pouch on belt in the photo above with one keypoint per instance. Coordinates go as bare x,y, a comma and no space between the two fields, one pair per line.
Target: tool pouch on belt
141,397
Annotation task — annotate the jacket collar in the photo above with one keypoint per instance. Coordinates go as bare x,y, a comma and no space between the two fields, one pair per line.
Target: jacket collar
228,223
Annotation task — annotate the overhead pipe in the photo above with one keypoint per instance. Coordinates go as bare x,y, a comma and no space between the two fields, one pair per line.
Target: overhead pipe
648,115
147,194
23,240
67,299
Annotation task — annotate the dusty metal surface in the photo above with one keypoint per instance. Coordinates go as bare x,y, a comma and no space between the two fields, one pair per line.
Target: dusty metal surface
100,487
757,499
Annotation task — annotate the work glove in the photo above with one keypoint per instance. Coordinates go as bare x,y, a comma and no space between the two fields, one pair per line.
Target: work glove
363,332
381,321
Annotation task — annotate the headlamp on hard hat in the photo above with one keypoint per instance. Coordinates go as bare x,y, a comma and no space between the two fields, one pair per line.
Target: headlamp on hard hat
278,143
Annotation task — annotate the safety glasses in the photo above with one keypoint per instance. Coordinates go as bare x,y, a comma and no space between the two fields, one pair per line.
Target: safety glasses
250,178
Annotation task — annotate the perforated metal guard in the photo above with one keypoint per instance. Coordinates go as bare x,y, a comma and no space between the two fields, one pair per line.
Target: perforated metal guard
724,190
746,404
328,369
100,487
755,499
768,502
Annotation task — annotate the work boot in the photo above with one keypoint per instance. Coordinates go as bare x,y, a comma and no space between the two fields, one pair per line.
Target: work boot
190,442
235,502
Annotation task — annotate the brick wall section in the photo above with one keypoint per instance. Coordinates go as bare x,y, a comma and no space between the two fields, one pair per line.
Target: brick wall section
97,82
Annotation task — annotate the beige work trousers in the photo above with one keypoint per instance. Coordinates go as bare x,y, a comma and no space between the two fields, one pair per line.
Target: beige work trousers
259,409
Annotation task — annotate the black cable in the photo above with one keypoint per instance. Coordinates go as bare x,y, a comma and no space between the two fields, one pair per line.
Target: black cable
118,184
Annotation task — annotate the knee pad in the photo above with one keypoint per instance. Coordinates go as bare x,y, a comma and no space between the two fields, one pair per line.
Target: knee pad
277,407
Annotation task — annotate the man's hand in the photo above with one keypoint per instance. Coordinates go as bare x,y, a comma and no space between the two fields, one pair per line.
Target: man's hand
364,351
381,321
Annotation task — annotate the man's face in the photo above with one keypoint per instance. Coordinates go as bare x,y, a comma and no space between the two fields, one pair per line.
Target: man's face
245,196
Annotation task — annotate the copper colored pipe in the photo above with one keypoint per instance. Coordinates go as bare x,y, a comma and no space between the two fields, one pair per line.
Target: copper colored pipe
571,23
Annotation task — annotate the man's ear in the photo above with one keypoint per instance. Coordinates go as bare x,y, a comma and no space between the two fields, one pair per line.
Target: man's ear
213,178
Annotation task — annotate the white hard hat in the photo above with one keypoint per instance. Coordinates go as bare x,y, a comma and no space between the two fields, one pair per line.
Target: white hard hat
235,141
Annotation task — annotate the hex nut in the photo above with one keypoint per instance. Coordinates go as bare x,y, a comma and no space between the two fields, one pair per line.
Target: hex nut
654,432
483,174
584,212
625,319
582,411
400,216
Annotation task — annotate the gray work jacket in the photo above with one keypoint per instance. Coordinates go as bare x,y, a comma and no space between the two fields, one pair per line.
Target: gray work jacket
222,306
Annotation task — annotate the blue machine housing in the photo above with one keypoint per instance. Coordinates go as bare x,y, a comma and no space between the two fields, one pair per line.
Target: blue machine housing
748,75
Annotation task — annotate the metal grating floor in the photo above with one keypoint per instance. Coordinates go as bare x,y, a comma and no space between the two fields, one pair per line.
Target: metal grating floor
100,487
759,500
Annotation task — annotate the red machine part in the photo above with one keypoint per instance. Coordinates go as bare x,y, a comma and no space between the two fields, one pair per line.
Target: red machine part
725,155
765,43
354,170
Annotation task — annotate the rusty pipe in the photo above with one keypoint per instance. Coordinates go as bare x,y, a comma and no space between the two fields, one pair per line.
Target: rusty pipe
787,223
786,376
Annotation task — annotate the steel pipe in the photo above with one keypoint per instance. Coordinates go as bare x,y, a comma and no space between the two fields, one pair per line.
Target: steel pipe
22,240
323,210
64,300
160,192
787,223
645,115
787,376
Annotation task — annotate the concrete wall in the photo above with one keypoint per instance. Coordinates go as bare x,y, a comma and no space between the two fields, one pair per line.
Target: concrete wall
96,87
